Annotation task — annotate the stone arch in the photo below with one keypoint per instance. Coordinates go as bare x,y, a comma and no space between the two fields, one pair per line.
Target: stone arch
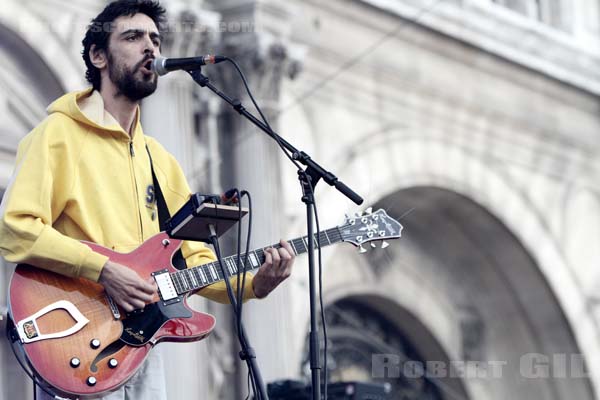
40,37
503,305
365,320
460,287
45,83
408,161
27,86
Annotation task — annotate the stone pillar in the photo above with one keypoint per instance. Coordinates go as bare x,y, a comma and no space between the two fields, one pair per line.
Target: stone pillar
171,114
178,116
254,35
585,22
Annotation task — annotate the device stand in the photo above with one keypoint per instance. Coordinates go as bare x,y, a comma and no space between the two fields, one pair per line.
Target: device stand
202,221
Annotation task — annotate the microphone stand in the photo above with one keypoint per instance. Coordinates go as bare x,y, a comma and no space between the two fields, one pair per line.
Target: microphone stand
308,180
247,353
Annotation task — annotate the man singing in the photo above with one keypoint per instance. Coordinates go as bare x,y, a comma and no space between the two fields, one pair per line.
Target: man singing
85,173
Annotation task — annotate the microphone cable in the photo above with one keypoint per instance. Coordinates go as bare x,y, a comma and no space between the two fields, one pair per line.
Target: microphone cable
314,210
272,133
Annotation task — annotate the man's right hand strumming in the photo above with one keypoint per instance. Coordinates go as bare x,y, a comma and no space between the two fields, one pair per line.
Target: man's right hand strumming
125,286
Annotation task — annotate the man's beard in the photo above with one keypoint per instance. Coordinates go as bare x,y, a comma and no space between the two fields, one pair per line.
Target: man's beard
126,82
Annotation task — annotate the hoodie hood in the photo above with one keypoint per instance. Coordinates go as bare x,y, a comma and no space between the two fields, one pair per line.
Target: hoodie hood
87,107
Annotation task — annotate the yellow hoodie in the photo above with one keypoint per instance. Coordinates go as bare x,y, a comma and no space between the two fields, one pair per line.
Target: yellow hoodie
80,176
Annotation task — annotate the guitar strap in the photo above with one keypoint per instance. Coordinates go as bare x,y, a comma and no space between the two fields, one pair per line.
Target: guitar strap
163,214
163,210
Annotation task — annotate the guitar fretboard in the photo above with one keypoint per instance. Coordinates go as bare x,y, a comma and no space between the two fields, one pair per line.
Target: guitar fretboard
191,279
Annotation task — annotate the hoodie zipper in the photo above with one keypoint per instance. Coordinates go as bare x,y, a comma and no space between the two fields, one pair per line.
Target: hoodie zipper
137,195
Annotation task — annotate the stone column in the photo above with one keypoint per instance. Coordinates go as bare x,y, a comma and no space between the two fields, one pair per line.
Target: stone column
178,116
254,34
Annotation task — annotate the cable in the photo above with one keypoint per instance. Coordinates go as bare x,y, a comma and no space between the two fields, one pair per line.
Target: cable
240,290
272,133
240,299
215,242
245,82
361,56
12,337
236,301
314,210
323,320
248,387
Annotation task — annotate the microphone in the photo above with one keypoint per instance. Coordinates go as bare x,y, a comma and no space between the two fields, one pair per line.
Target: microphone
162,65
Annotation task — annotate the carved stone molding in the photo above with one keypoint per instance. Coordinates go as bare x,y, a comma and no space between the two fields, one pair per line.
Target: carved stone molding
260,46
509,35
265,62
191,30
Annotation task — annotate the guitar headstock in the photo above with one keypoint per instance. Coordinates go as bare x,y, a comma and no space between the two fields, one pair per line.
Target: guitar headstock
370,227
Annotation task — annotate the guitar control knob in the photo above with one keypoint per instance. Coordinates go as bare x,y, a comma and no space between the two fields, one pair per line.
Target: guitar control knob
94,343
75,362
91,381
112,363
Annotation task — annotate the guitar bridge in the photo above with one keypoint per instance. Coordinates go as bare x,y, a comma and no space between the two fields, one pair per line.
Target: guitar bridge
29,331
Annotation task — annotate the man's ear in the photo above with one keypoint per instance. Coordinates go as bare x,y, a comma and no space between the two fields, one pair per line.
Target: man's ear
98,57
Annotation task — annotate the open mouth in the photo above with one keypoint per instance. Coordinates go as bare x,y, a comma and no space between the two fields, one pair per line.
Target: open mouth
147,67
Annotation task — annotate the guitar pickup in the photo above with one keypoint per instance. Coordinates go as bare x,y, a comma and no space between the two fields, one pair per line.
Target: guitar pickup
166,288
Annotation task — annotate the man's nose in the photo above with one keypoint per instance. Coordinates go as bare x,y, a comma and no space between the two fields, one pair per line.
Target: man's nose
148,46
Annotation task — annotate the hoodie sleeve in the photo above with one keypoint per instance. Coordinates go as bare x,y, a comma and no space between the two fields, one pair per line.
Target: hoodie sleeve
35,197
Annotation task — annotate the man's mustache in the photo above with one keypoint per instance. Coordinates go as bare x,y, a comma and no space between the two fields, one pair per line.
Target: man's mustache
144,61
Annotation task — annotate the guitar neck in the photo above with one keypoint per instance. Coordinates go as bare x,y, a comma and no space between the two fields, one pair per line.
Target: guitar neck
192,279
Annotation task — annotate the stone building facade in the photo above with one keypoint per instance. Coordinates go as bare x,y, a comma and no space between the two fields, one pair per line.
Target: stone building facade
474,122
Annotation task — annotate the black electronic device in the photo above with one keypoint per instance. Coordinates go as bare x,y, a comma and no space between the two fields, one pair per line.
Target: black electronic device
193,220
298,390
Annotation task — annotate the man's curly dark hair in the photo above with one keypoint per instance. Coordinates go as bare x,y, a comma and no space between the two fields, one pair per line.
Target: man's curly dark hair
99,30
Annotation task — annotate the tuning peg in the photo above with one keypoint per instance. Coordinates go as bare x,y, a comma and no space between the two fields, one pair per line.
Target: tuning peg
384,244
361,249
373,245
369,211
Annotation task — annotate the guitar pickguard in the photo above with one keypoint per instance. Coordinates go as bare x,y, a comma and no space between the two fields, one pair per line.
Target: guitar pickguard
140,325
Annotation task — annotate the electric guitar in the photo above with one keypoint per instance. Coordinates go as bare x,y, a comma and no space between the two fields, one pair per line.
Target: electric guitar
77,340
